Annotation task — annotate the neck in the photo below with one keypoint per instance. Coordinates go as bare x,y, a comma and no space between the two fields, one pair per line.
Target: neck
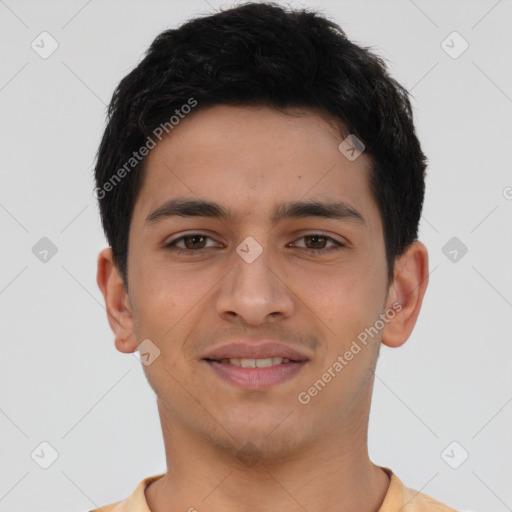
334,473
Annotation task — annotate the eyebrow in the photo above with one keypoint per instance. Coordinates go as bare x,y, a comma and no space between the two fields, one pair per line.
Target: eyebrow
295,209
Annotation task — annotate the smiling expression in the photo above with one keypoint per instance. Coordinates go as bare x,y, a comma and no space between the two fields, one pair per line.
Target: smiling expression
234,179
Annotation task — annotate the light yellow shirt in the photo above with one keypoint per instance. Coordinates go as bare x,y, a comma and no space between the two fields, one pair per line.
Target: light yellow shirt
398,499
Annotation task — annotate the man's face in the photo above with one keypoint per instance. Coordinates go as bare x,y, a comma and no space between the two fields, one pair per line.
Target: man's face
303,289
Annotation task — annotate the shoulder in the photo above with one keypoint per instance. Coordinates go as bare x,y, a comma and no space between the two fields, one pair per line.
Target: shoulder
118,506
415,501
403,499
136,502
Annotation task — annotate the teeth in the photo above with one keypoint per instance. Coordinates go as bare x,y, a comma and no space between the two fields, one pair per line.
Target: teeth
255,363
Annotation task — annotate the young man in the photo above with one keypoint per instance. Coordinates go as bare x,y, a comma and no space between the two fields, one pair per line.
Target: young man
260,185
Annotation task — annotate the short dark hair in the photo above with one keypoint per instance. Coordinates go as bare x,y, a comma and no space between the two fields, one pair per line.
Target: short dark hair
263,54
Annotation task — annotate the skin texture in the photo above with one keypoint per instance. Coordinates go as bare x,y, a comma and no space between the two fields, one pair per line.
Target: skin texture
310,456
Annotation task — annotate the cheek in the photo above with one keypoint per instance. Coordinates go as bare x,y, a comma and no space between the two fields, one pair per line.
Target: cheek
160,297
345,299
169,300
327,288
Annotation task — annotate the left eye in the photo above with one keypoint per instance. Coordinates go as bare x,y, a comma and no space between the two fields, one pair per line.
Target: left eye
319,241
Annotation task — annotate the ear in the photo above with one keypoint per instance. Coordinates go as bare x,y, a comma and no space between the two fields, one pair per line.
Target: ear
117,302
406,291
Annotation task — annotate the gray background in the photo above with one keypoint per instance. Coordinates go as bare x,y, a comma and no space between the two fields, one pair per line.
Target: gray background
61,378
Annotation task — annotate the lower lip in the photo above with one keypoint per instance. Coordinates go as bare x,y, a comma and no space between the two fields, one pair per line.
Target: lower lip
256,379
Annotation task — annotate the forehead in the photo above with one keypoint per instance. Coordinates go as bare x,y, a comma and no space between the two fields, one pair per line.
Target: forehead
252,158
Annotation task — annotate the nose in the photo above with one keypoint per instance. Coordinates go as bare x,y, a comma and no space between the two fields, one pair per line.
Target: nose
254,291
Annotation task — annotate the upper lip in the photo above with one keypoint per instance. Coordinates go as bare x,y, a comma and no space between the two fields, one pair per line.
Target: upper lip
260,350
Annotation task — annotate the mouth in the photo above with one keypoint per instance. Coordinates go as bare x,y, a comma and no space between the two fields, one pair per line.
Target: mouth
255,374
253,363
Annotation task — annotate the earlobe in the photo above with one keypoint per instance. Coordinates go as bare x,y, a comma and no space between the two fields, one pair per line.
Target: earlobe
408,288
117,303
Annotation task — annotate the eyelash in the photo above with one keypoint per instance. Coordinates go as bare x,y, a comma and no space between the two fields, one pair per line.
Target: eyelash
336,247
